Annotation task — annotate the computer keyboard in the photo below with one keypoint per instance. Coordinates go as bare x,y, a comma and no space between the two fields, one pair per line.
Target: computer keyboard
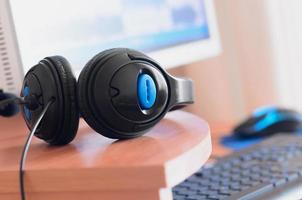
249,173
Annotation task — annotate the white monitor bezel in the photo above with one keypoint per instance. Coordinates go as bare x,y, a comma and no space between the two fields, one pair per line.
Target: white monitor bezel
168,57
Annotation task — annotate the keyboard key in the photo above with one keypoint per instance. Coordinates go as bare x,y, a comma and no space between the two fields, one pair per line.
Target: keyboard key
272,164
253,192
225,192
279,182
292,177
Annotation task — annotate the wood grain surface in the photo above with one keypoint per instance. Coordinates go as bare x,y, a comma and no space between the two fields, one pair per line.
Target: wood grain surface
97,167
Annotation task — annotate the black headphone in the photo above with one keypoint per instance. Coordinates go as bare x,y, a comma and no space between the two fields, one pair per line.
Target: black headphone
121,94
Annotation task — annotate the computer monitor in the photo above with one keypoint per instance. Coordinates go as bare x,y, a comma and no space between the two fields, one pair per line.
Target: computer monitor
173,32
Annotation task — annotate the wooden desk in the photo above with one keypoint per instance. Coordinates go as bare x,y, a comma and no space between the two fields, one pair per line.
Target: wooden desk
217,132
94,167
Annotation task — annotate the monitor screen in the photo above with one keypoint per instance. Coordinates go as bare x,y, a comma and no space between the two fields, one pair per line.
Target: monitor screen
80,29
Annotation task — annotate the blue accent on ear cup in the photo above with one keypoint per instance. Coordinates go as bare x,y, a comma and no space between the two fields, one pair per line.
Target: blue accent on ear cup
146,91
27,112
26,91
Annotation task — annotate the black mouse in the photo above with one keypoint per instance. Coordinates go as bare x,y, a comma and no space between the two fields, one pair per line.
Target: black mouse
269,120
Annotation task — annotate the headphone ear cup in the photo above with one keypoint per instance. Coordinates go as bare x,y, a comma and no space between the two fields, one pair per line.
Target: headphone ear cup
53,78
71,112
82,89
108,93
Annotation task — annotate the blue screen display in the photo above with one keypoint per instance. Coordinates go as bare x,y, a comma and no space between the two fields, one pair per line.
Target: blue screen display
155,24
88,27
151,24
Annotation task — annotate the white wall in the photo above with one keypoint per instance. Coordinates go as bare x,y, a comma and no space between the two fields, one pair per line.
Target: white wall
285,29
261,62
249,33
269,50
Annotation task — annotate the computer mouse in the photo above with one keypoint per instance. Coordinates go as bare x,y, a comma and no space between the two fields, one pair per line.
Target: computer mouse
269,120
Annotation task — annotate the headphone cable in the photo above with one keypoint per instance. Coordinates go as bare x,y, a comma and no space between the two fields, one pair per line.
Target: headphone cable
26,148
16,100
5,102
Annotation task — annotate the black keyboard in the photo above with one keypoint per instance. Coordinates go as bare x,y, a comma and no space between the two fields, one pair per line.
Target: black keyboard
248,174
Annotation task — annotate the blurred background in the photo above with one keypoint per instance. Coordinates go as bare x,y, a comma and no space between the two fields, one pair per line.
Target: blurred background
260,63
249,54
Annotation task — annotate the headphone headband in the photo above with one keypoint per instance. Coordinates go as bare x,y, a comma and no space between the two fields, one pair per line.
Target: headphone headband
182,92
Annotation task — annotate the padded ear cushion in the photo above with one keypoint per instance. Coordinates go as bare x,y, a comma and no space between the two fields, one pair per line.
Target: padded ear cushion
70,123
52,78
83,98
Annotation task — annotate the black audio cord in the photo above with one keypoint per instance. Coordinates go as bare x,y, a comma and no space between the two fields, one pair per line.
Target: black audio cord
5,102
26,148
29,101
